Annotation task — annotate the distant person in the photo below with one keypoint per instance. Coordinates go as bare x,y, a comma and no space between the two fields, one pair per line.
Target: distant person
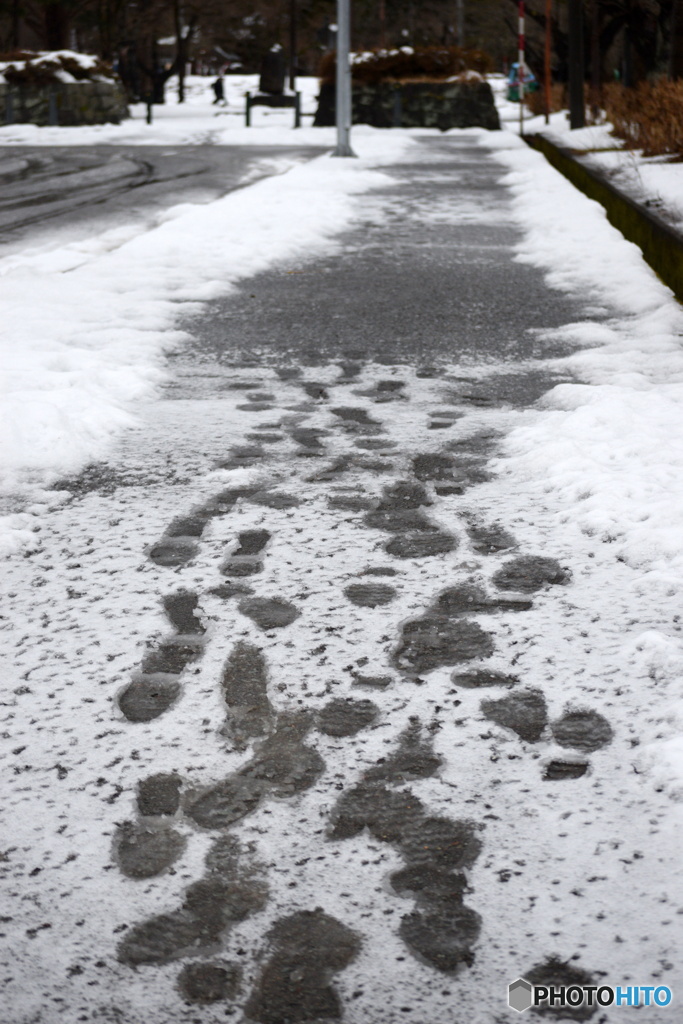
219,91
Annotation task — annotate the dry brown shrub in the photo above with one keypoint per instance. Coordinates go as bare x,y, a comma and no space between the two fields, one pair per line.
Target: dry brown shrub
427,63
535,101
649,117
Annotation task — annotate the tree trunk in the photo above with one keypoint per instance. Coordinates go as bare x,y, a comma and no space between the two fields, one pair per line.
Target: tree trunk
56,27
596,63
180,51
577,107
676,59
16,21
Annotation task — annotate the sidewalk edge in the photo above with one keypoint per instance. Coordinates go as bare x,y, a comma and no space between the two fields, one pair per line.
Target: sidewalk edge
661,245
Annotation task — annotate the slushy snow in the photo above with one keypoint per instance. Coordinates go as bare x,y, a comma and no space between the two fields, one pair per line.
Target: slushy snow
81,346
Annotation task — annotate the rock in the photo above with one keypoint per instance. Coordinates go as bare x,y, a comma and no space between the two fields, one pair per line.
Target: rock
433,104
76,102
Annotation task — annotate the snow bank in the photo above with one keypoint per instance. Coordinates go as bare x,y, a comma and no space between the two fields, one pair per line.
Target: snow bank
81,347
609,450
656,181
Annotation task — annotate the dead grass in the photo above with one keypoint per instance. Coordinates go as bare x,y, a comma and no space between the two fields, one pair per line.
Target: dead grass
535,101
649,117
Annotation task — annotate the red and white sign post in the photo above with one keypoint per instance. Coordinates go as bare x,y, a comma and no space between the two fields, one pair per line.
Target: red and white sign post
521,46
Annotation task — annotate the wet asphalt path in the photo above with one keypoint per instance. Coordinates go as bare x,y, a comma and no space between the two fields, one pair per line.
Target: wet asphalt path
337,715
57,187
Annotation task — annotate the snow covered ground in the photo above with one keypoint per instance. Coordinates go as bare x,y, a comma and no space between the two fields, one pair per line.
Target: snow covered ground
611,446
592,476
78,360
195,121
654,181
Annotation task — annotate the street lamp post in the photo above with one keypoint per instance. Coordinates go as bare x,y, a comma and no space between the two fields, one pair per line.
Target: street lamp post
547,60
343,98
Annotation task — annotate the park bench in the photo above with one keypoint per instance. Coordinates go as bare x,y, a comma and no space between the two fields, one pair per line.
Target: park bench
264,99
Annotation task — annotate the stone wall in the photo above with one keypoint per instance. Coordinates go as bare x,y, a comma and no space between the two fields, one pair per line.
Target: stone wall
63,103
440,105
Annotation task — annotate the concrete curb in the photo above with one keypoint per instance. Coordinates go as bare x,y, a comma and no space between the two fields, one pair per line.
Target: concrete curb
661,245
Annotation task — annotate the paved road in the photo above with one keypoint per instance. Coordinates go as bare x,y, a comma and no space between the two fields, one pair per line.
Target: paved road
53,187
316,708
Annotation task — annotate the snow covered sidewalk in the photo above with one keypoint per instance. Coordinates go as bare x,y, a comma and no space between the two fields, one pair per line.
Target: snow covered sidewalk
84,335
348,684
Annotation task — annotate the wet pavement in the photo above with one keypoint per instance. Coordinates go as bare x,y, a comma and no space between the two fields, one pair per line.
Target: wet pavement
59,188
316,719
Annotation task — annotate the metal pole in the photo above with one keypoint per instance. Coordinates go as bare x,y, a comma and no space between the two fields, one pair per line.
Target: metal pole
520,65
343,80
547,58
